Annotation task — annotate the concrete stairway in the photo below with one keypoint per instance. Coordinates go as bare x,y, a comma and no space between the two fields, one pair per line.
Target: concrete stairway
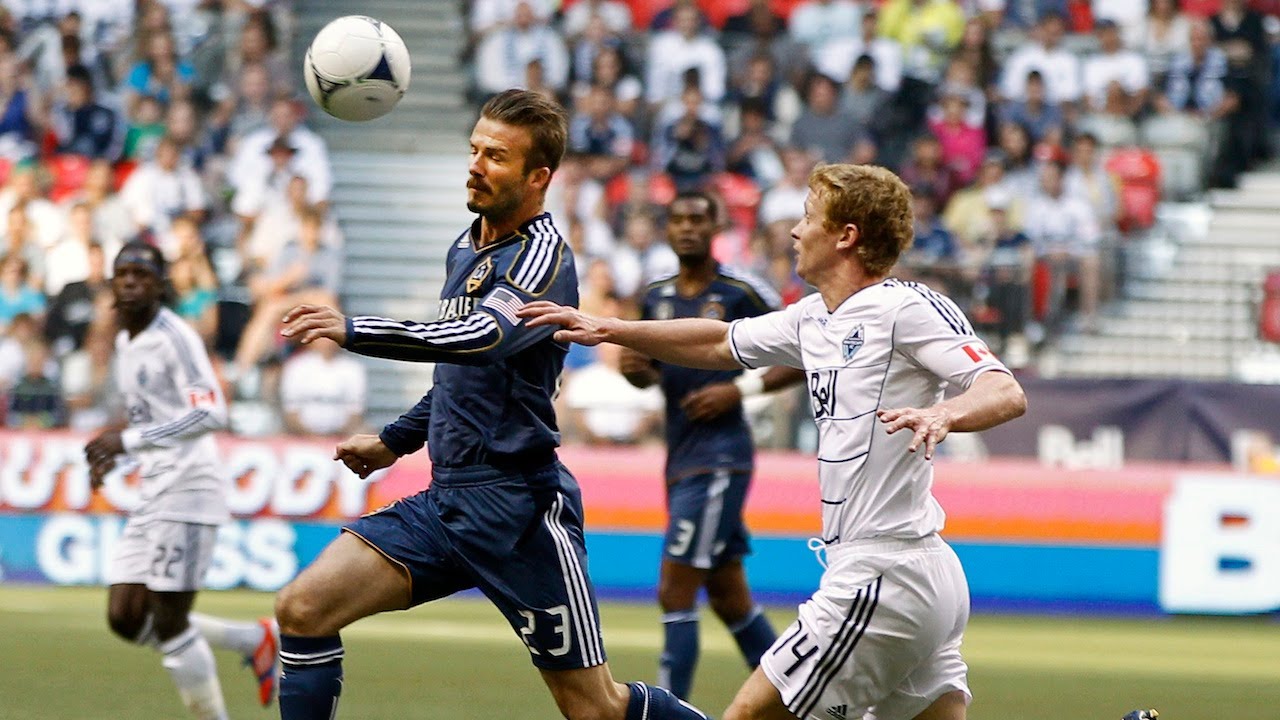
399,180
1194,313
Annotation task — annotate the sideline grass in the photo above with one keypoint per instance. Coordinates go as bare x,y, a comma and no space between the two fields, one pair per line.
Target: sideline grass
458,659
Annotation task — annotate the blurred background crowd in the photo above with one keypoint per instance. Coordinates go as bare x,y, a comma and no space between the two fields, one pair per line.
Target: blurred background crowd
177,121
1037,136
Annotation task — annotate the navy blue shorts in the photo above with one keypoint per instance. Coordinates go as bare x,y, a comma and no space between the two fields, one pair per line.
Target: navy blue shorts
518,538
704,519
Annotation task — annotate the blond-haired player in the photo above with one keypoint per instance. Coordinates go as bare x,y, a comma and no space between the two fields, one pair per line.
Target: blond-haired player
880,638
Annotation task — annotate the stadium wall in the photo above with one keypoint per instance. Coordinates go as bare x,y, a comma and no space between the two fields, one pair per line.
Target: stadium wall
1142,537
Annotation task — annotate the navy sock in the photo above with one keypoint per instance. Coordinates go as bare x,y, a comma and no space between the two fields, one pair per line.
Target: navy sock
654,703
754,635
311,677
679,652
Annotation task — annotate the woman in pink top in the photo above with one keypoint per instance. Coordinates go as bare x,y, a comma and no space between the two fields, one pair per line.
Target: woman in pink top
962,144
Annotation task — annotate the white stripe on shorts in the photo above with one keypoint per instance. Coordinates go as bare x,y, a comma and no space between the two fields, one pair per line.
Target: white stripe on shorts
576,586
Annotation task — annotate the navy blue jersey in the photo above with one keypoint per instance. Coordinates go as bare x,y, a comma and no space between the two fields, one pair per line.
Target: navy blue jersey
724,442
490,404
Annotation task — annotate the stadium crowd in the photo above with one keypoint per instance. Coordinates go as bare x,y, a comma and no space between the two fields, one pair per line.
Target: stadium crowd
1036,136
177,121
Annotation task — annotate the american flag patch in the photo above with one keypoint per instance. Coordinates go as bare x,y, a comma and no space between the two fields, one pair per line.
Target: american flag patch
506,303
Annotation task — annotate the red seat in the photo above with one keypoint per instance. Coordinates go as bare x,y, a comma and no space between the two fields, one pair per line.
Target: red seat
123,170
1269,312
1138,170
741,198
5,166
68,173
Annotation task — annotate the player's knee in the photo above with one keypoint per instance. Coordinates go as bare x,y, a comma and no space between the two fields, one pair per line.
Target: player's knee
298,612
126,622
731,608
582,707
674,596
169,624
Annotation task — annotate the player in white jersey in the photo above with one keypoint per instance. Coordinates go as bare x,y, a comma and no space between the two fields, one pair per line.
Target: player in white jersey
174,402
880,638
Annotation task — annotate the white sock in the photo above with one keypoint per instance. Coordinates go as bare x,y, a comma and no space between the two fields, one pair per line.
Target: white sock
190,663
242,637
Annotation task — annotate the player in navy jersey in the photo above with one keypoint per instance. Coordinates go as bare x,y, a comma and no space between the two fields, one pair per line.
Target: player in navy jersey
501,514
709,449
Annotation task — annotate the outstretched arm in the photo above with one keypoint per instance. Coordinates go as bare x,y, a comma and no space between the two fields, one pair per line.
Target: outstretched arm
691,342
995,397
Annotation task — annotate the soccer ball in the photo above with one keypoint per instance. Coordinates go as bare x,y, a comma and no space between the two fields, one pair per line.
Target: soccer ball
357,68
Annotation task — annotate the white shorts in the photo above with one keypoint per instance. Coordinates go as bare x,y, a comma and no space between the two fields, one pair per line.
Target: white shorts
880,639
164,555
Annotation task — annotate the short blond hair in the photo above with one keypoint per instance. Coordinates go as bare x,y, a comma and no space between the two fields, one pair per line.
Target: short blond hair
875,201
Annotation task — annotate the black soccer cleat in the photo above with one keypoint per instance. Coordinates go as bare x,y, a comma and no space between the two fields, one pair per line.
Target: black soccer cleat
1142,715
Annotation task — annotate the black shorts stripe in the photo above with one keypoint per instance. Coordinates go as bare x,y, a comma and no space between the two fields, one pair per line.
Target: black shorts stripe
855,608
841,649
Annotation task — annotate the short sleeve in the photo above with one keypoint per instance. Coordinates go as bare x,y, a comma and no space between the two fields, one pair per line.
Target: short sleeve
935,334
769,339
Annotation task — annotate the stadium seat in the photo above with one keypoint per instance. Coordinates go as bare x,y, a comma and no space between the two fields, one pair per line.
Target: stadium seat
123,170
1175,130
1182,172
1138,171
68,173
741,197
5,166
1269,311
662,189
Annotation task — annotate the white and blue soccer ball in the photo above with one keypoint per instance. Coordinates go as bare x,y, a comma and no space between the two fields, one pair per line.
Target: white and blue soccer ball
357,68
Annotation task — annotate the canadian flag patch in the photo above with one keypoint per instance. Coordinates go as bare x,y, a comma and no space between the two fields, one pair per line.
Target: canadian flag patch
978,352
201,398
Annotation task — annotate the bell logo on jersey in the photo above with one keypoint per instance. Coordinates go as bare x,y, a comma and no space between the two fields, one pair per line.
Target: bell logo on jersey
822,389
851,343
201,398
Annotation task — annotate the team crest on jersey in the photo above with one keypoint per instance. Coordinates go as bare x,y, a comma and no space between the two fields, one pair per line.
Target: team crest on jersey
479,274
851,343
712,311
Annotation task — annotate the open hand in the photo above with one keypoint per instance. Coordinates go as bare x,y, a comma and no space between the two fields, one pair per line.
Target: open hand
930,426
711,401
364,454
305,323
579,327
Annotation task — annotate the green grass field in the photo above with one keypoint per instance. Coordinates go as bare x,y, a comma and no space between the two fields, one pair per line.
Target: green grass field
458,659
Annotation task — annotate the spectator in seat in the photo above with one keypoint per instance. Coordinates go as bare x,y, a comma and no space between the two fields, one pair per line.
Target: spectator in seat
1115,65
968,215
258,47
183,124
144,130
81,125
322,391
252,165
163,189
691,149
641,257
307,272
1024,14
817,23
111,222
673,53
927,30
67,261
961,79
927,170
587,45
1020,171
1086,178
783,204
18,295
503,58
758,14
609,70
35,402
1197,79
822,127
1059,67
865,103
21,241
933,257
160,74
71,311
1165,33
86,380
19,113
962,143
45,222
975,51
839,58
1042,118
244,108
1064,232
601,135
754,153
1006,257
195,288
615,15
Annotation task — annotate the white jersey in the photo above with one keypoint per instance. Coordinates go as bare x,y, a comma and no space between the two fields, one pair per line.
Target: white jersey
892,345
174,402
